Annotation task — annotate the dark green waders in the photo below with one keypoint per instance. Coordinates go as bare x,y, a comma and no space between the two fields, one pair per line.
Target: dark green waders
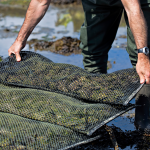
102,18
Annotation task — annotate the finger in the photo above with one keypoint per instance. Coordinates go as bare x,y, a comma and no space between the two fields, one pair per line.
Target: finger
147,77
18,58
142,78
147,80
9,52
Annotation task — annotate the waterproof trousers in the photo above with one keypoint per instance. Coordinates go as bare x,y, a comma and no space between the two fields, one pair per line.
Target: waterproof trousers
102,19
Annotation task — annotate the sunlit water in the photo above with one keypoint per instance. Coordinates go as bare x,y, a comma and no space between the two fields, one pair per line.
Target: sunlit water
59,22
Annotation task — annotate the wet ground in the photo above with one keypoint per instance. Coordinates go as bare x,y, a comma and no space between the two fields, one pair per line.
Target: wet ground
58,22
65,21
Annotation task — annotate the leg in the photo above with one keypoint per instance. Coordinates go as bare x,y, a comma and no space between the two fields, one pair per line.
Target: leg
97,34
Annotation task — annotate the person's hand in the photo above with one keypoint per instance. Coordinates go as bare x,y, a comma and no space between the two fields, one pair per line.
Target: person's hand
16,48
143,68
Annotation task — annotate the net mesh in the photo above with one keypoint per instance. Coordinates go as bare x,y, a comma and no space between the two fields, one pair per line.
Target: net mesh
46,105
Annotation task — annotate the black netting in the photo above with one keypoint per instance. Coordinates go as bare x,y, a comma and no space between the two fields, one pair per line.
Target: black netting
46,105
57,109
36,71
21,133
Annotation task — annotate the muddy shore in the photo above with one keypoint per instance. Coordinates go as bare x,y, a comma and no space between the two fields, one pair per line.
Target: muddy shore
25,3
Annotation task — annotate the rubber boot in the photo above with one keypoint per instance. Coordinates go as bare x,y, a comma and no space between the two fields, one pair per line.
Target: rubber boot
142,111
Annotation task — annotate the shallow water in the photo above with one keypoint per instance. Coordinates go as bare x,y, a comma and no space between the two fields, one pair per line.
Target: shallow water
59,22
54,26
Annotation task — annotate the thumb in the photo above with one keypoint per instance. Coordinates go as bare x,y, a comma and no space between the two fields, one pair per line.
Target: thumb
142,78
18,57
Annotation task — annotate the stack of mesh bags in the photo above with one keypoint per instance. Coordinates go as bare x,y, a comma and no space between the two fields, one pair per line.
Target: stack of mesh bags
46,105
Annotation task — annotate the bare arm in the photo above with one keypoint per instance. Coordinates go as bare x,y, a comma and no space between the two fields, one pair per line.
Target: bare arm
35,13
139,29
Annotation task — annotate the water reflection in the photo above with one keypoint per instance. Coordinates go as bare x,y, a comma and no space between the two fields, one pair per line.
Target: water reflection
71,14
142,112
12,11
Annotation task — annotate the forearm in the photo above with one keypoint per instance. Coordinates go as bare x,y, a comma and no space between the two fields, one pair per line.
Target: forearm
35,13
137,22
139,29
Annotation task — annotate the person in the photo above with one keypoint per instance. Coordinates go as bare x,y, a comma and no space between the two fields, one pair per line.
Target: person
102,19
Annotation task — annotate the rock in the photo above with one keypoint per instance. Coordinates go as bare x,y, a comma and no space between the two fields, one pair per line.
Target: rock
109,65
42,45
64,46
7,30
123,36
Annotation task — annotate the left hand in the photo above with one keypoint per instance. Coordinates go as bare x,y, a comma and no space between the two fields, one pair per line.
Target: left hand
143,68
16,48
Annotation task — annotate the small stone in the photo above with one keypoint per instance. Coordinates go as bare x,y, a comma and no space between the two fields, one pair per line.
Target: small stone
54,37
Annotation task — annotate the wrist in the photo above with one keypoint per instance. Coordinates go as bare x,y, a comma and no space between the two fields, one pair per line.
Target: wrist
144,50
142,57
20,41
19,44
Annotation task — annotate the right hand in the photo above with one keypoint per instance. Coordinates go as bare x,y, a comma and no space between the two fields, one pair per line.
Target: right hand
16,48
143,68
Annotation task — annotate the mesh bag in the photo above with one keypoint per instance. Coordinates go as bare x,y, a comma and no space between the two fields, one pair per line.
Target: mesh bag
44,105
21,133
36,71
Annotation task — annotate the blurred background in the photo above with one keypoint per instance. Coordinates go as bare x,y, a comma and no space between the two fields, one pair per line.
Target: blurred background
63,19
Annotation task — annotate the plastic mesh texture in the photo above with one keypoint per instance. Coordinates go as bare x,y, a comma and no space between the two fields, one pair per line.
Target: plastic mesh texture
25,134
36,71
44,105
57,109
